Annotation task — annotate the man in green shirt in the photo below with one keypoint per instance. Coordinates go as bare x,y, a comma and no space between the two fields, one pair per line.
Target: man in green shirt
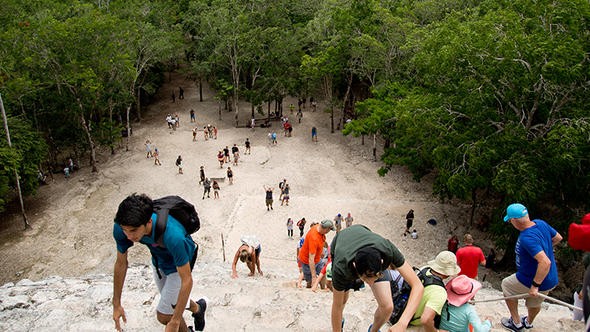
359,255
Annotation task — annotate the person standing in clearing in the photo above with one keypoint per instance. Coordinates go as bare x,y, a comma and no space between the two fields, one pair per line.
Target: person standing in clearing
180,93
148,149
201,175
195,134
247,144
285,195
206,187
236,153
469,257
409,221
314,134
338,222
230,175
301,226
536,271
179,164
290,228
226,154
192,113
134,223
156,155
348,220
358,253
268,191
215,189
205,133
220,158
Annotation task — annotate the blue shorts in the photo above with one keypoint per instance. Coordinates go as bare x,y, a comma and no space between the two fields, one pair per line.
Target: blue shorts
307,270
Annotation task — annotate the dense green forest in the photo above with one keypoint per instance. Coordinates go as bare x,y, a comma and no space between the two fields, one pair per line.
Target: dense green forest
490,97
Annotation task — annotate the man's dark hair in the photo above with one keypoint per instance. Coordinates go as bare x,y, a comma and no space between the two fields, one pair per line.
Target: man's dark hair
368,261
135,210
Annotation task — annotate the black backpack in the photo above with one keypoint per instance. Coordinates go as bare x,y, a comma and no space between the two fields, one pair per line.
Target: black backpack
401,294
182,211
178,208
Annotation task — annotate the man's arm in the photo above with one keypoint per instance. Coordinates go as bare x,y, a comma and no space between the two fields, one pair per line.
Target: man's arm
543,266
314,277
186,284
556,239
120,272
417,289
427,319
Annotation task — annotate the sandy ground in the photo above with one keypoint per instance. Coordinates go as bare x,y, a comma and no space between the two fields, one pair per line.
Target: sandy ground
71,219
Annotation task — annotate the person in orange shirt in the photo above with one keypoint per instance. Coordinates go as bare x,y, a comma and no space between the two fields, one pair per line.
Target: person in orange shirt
469,257
310,253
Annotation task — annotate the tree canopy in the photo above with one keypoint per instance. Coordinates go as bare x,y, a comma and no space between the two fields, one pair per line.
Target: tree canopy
488,96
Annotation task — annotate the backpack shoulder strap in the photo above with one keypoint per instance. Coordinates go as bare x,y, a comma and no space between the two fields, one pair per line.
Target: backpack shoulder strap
161,221
430,279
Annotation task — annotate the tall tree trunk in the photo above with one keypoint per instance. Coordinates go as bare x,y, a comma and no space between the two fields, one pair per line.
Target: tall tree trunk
348,87
200,88
127,127
84,124
137,107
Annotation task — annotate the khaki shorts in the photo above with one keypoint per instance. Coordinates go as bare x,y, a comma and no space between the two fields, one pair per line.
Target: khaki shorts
511,286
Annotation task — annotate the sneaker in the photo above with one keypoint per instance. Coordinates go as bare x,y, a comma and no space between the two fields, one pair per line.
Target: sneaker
525,322
509,325
200,315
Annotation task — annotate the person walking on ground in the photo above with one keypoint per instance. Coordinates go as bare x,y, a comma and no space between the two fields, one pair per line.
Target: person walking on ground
469,257
206,188
247,144
274,138
230,175
285,195
310,254
348,220
148,149
192,114
249,253
253,124
536,271
338,222
215,186
226,154
214,132
205,133
236,153
459,314
201,175
220,158
177,118
409,222
195,134
180,93
301,226
299,116
268,191
290,228
179,164
281,186
156,155
359,255
134,223
314,134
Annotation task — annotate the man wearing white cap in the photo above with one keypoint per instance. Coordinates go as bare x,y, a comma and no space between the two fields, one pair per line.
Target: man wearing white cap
536,271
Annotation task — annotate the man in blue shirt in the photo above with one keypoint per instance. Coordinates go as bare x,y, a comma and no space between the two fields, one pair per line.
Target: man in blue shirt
536,271
172,263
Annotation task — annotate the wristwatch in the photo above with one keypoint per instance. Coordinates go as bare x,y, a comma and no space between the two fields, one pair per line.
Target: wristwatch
535,284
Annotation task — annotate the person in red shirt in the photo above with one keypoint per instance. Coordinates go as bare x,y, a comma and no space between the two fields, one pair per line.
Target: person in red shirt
310,253
469,257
